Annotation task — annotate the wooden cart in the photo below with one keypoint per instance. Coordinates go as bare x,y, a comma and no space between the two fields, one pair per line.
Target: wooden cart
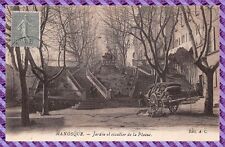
168,95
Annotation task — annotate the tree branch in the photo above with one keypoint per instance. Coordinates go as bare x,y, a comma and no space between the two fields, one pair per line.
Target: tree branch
215,66
190,32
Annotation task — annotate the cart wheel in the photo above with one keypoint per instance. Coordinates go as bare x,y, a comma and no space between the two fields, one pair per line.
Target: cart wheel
155,105
173,108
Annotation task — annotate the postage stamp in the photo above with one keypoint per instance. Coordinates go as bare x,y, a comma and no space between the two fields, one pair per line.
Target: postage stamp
25,29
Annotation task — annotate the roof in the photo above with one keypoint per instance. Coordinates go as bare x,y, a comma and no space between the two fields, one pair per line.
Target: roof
180,54
175,50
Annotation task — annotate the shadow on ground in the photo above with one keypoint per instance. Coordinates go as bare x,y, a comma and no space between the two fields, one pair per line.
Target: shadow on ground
42,122
192,114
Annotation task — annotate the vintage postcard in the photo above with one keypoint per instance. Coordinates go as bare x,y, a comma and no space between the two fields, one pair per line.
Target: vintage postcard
97,73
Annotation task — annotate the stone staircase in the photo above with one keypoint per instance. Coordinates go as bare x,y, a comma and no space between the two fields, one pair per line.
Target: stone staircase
81,78
94,98
103,79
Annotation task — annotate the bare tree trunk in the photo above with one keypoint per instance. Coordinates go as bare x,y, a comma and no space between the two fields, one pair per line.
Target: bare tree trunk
209,94
25,102
45,110
162,77
24,96
124,61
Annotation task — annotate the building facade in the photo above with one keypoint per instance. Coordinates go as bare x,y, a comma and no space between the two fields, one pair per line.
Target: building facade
180,55
182,43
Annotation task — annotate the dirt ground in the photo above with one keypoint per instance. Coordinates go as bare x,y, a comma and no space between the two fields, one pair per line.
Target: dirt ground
188,116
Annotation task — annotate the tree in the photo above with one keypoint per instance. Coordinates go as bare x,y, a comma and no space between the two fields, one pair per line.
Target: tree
41,72
154,27
19,65
81,34
116,32
201,50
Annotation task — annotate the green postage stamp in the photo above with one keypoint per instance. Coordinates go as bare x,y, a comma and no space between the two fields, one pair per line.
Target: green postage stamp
25,29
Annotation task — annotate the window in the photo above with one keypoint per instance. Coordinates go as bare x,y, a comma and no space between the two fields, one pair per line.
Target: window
214,39
176,43
215,79
181,20
210,44
182,39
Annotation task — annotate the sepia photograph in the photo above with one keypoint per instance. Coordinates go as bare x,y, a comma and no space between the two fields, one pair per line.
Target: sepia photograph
112,73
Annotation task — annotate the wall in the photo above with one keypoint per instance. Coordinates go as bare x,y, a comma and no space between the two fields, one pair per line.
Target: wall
182,39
